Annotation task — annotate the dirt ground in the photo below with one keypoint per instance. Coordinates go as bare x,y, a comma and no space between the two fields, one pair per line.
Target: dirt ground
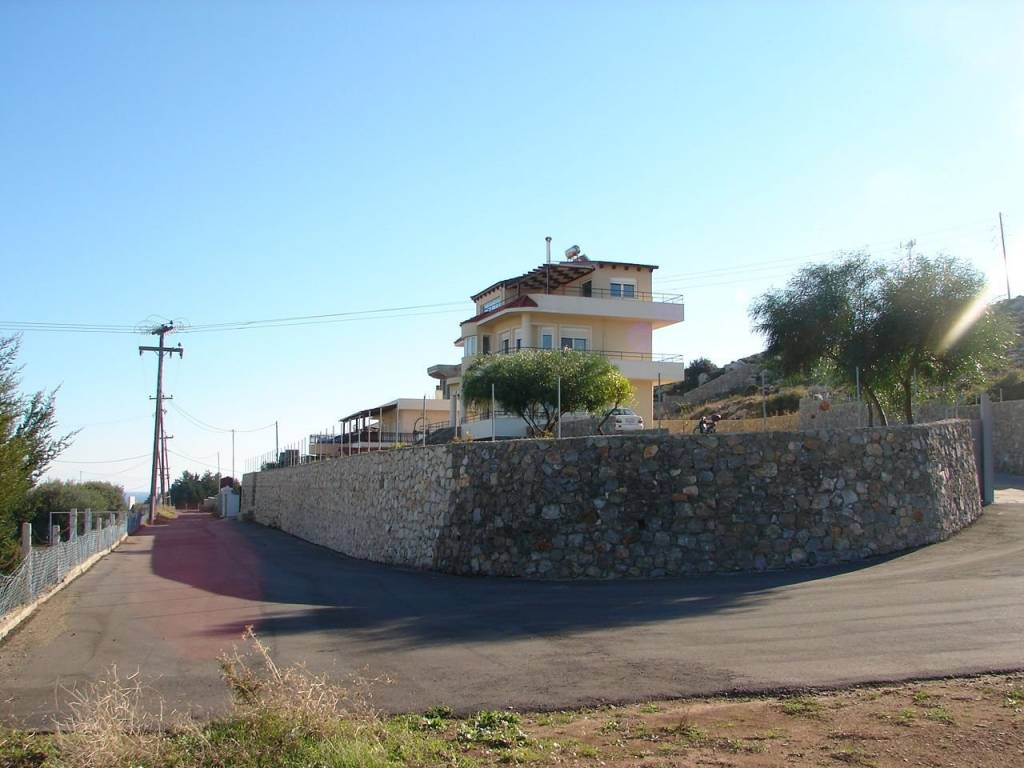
964,722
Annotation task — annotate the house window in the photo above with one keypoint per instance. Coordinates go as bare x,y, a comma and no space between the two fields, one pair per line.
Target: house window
623,290
547,341
570,342
470,346
492,304
588,289
487,344
505,346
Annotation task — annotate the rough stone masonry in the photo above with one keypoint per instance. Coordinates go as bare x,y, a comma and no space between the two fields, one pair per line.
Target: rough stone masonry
638,505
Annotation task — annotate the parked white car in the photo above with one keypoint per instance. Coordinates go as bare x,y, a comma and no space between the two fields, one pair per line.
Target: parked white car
626,420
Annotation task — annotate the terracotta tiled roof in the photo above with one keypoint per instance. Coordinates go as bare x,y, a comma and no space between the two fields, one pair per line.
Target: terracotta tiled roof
519,301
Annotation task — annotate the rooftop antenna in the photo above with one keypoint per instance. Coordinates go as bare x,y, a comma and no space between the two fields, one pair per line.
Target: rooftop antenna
547,276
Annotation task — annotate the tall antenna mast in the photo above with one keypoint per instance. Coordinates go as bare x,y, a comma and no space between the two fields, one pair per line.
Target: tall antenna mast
1006,267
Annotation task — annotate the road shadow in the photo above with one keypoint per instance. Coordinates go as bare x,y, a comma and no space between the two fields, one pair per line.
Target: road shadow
303,588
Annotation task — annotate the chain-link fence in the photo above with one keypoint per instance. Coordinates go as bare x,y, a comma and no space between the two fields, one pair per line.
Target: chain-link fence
45,567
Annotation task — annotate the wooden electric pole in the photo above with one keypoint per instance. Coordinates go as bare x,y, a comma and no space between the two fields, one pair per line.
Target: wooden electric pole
161,331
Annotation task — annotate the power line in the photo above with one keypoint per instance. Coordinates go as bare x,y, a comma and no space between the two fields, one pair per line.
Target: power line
422,310
103,461
189,458
210,427
324,317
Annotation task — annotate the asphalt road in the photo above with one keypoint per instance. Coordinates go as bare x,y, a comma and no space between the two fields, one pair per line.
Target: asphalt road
170,599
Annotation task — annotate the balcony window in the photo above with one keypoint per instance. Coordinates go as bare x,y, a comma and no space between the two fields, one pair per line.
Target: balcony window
622,290
505,346
470,346
569,342
492,304
487,344
547,341
588,289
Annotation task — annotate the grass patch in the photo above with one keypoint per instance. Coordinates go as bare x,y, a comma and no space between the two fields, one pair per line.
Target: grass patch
552,718
940,715
23,750
800,706
921,697
491,728
1014,698
650,708
689,734
852,756
904,717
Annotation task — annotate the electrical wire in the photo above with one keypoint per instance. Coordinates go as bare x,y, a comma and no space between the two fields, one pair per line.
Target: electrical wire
422,310
103,461
196,421
189,458
323,317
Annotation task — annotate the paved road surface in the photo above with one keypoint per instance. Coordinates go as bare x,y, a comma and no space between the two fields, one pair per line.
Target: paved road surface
171,598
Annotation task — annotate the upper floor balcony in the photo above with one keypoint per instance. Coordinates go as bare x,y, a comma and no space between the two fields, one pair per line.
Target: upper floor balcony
650,366
618,301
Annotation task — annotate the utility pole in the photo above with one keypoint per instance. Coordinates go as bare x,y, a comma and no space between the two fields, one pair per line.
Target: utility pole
277,451
232,455
161,350
1006,267
165,467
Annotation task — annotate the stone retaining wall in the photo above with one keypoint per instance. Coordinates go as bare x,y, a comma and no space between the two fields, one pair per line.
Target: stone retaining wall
633,505
1007,423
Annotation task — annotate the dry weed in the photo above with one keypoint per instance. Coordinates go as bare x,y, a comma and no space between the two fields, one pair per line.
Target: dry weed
108,724
259,686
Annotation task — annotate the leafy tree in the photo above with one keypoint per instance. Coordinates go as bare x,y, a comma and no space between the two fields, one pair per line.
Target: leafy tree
827,320
27,447
692,373
190,489
941,334
928,324
526,384
63,495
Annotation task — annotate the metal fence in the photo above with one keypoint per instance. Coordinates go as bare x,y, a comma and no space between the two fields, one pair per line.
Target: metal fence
45,567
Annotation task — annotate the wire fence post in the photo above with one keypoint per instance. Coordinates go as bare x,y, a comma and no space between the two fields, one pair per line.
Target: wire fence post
73,525
26,554
764,400
558,414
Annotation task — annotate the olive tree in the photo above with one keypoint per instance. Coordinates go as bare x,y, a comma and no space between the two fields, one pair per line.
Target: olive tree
828,318
927,324
527,383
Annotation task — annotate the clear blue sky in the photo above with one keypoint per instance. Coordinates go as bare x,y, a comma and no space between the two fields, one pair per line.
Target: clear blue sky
230,161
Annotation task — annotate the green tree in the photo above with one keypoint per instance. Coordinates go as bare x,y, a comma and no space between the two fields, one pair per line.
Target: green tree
27,447
526,384
190,489
691,375
941,334
64,495
827,321
891,325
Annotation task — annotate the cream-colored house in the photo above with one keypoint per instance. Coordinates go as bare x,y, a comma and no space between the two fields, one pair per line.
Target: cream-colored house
604,307
401,421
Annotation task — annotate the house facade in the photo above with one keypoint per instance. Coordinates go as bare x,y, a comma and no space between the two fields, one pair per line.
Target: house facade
602,307
399,422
